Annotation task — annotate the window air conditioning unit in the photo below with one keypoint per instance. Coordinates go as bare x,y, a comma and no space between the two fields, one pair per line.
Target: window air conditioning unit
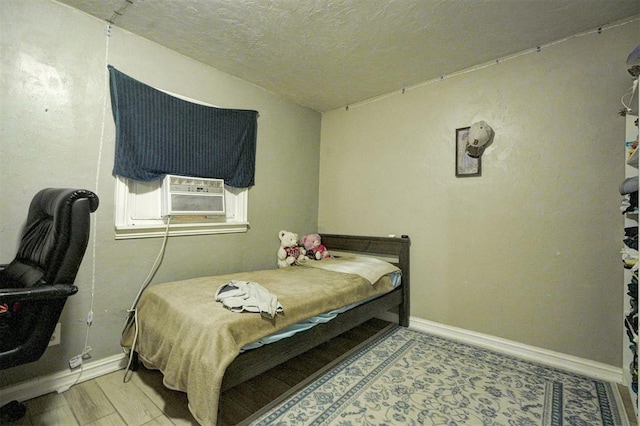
183,195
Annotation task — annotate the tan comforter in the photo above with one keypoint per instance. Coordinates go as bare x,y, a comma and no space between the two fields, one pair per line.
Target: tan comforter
192,339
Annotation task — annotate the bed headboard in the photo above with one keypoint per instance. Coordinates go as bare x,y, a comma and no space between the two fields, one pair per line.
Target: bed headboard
384,246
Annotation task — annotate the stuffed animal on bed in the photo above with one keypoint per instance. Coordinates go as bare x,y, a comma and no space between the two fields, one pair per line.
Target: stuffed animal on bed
313,245
289,253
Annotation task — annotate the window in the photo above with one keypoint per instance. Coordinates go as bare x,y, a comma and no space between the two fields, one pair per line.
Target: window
138,207
157,133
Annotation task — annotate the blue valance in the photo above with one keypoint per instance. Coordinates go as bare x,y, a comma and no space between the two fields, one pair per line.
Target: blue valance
158,134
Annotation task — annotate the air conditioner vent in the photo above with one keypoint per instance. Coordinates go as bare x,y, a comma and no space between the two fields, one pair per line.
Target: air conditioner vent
183,195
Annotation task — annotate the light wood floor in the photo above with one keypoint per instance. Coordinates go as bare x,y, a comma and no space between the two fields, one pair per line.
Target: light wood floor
108,401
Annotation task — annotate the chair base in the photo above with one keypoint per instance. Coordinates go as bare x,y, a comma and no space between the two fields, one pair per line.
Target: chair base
11,412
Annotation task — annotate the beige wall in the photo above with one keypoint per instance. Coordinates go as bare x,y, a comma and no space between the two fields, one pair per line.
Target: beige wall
52,90
529,251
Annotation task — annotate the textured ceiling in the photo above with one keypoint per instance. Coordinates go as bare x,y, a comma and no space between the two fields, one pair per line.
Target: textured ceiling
326,54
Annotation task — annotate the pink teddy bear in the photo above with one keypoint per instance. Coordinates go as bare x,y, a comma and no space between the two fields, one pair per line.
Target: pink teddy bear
315,249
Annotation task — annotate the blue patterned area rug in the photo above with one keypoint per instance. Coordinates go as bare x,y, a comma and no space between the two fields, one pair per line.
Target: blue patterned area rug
411,378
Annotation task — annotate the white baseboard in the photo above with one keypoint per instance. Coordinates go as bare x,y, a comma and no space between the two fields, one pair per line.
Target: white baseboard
62,381
558,360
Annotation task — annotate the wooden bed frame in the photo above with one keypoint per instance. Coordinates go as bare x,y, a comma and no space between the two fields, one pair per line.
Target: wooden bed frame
256,361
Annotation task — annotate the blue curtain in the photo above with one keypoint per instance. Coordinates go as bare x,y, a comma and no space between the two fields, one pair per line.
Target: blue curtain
158,134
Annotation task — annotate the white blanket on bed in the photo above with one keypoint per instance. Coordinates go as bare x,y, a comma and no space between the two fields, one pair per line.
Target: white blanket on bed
369,268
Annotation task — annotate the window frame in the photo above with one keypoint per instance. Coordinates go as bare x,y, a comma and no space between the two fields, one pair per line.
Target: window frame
127,226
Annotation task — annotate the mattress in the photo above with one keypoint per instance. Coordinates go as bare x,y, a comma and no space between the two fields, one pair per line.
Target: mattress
396,280
192,339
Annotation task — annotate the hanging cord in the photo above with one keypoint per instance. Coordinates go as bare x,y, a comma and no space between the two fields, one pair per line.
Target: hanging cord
120,11
78,359
132,314
497,61
630,95
127,371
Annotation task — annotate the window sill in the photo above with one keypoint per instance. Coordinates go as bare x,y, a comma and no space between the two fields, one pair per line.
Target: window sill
178,229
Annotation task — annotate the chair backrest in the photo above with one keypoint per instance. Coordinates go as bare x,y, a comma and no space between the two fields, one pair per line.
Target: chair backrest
54,238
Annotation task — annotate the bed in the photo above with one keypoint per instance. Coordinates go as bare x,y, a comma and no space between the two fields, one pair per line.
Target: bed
204,349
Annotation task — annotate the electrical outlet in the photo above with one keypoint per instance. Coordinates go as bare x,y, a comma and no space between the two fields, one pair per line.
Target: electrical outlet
55,337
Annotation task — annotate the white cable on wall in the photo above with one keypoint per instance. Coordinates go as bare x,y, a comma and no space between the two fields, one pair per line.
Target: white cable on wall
78,359
536,49
132,317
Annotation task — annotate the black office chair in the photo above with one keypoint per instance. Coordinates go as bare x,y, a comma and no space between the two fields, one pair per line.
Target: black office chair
35,285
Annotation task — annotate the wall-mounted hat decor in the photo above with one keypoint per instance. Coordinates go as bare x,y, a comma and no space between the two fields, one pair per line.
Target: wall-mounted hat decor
480,136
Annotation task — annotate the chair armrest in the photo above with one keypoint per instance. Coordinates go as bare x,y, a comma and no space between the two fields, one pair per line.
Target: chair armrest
57,291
